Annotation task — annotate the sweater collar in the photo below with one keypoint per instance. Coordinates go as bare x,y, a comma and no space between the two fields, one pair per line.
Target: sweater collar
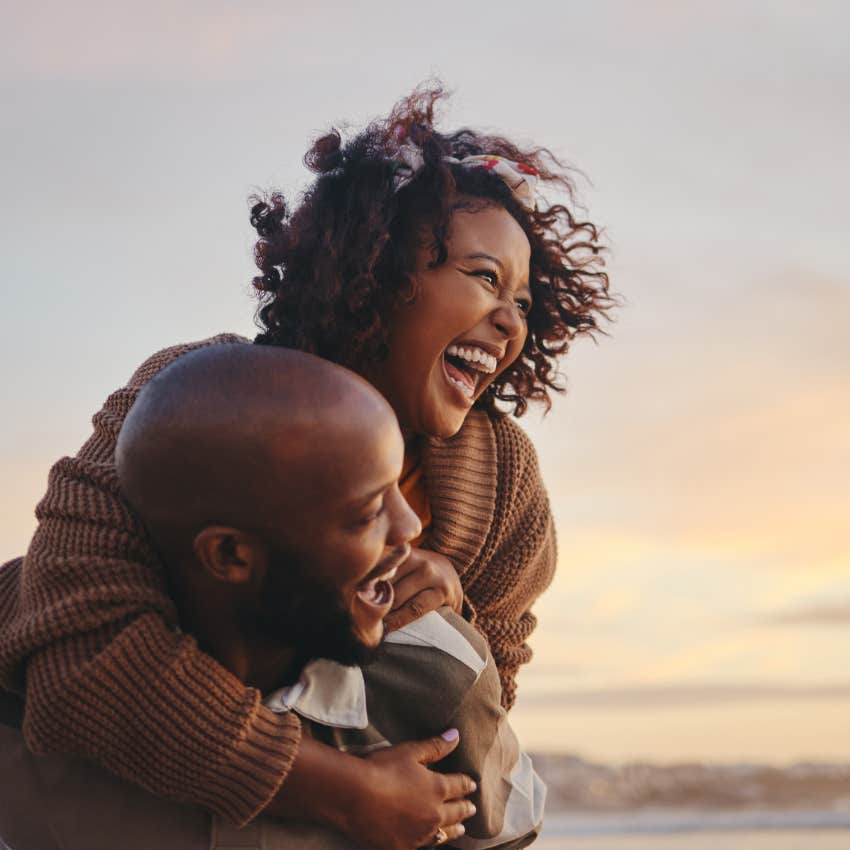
461,478
327,693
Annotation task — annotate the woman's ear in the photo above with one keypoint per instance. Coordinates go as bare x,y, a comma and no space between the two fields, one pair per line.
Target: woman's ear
231,556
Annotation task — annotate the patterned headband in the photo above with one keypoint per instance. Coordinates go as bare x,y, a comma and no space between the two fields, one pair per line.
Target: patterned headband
521,179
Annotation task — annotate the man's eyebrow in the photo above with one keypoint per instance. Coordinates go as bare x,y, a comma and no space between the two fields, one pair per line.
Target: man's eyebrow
360,501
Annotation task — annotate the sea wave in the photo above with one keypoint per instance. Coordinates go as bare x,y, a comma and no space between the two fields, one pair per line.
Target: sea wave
579,785
666,821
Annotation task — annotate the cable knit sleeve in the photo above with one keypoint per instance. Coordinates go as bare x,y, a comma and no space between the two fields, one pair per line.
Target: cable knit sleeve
107,674
518,560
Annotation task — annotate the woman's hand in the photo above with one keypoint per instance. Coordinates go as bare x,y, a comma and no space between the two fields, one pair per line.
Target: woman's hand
389,800
407,803
424,582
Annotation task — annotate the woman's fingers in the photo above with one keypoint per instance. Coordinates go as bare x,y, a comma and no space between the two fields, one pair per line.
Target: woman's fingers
414,608
457,786
409,565
454,813
429,751
411,585
452,832
426,582
419,572
457,811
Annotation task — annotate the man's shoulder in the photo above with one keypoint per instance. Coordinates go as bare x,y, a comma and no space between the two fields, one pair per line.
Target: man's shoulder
445,631
423,675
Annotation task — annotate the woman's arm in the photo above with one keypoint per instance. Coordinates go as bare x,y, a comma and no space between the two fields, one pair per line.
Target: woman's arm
389,800
108,675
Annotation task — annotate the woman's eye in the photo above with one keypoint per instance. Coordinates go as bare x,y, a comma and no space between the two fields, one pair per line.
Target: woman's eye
524,306
491,277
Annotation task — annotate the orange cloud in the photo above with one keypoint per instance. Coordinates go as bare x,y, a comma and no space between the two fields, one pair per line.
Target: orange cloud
814,615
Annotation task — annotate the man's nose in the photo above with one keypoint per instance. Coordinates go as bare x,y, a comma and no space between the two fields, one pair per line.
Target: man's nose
406,526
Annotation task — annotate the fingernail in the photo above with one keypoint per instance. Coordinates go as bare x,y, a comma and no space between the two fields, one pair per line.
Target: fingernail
450,735
473,786
472,809
461,829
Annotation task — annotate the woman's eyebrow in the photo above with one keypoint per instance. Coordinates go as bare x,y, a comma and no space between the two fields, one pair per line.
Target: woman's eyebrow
482,256
498,262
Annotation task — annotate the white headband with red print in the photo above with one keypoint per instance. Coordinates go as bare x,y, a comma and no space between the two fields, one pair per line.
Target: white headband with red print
521,179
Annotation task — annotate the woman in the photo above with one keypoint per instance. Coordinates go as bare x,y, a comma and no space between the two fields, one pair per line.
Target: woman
421,261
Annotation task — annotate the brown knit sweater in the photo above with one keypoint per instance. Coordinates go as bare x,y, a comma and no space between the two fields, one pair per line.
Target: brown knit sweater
87,617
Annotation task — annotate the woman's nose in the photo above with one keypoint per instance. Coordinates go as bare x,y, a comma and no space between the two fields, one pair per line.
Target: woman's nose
508,320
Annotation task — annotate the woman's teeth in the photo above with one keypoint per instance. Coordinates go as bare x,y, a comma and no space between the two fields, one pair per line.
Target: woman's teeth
463,378
466,389
477,358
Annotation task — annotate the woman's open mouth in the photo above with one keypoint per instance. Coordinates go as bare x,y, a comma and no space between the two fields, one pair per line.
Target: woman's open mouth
467,367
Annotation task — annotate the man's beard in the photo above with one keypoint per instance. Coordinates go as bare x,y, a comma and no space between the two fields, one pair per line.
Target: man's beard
298,612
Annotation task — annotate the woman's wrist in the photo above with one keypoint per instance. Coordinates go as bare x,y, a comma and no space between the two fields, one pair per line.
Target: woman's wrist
322,786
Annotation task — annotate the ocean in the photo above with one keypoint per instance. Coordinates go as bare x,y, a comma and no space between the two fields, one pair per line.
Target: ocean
694,806
664,821
727,840
698,830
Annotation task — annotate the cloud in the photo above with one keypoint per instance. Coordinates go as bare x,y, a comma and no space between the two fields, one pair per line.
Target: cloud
157,40
731,722
682,695
813,615
716,418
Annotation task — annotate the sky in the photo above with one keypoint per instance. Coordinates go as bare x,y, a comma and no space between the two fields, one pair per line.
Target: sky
697,465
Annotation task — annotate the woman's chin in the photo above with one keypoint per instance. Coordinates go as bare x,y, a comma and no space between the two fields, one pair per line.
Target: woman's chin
438,420
445,426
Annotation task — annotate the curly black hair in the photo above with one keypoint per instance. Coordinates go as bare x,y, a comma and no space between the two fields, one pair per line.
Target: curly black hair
335,269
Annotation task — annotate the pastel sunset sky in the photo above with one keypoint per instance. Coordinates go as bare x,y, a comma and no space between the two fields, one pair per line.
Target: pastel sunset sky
698,466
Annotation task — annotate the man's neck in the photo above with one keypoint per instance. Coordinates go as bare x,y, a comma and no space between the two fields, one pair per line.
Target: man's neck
259,665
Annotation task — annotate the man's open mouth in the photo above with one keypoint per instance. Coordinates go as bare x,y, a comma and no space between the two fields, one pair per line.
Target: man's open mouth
379,592
467,366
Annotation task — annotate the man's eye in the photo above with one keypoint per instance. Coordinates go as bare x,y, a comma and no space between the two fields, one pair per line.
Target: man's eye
368,520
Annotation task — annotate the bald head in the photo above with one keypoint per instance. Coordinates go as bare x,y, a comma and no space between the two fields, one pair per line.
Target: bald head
240,435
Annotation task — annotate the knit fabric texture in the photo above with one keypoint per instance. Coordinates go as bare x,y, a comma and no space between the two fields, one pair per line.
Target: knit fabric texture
89,631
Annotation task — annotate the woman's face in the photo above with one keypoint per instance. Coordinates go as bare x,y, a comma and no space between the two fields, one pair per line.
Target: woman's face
465,326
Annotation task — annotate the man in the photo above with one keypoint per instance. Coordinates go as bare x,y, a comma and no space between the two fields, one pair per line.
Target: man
268,482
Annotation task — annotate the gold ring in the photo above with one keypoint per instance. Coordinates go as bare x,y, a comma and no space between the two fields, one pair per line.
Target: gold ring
440,837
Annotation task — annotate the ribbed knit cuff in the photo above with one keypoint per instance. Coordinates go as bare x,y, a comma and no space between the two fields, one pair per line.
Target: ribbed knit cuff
244,785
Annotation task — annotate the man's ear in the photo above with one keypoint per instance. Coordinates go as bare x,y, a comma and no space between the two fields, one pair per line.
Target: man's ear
231,556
